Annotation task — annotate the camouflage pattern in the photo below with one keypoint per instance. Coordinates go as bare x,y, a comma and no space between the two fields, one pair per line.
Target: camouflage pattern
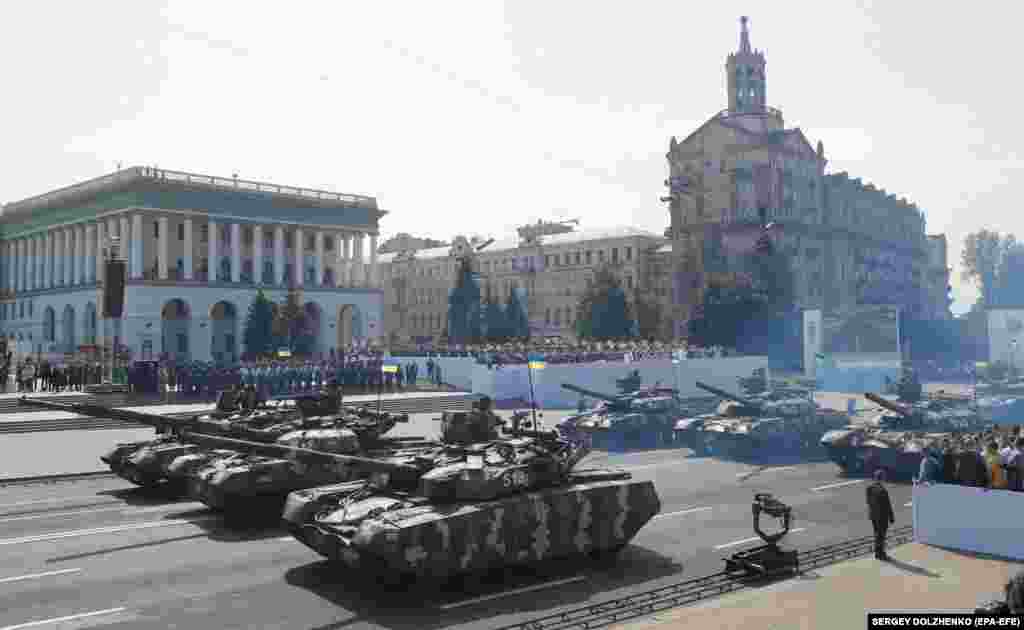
473,507
639,418
758,424
394,534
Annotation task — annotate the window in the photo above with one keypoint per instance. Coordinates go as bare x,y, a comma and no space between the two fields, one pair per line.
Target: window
310,242
577,258
615,254
328,243
181,231
629,282
156,229
600,256
247,235
567,261
547,316
629,253
589,257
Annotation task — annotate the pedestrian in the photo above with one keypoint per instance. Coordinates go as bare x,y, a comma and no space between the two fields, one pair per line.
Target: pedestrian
931,467
881,513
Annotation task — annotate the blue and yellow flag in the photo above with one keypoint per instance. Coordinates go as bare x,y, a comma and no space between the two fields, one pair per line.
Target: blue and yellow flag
535,362
389,368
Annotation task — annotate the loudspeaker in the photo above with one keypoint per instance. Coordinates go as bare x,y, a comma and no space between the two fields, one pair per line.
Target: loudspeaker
113,289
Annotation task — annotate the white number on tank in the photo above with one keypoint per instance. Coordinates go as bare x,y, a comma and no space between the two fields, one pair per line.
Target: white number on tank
516,478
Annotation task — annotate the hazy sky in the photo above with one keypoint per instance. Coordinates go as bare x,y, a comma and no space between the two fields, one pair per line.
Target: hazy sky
480,116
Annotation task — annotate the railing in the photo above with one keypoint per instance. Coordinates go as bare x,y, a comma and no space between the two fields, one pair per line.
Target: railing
139,172
772,111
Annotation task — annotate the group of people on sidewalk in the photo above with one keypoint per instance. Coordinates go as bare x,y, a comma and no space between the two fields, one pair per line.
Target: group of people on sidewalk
993,460
47,377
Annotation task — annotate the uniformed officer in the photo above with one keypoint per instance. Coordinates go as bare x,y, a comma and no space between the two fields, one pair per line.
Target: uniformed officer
880,511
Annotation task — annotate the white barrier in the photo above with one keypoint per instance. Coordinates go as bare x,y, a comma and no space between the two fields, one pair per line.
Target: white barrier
512,381
970,519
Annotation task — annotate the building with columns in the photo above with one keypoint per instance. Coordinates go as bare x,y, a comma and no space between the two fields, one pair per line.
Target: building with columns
550,264
849,242
197,249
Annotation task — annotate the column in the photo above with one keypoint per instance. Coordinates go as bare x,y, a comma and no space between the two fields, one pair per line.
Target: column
318,262
297,272
69,260
187,262
346,261
57,273
374,278
236,252
30,263
101,241
162,251
126,243
211,253
8,249
24,264
279,255
358,271
257,254
139,244
90,264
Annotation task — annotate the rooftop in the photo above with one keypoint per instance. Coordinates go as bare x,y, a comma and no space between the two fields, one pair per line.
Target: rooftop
126,178
552,240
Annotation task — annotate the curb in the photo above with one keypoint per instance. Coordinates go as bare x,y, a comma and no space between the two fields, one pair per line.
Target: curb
18,481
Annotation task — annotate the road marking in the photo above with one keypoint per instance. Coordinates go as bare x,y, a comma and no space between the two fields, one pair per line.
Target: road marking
100,530
755,538
681,512
43,622
285,538
838,485
516,591
119,508
33,576
54,500
758,471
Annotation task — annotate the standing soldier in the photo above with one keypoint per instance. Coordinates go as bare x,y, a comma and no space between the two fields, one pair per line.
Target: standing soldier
881,512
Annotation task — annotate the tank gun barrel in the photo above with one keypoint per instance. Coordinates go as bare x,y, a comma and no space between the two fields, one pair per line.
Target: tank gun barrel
724,394
99,411
888,404
588,392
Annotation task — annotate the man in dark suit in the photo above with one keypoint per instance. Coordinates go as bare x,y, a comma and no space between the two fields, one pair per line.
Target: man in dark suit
880,512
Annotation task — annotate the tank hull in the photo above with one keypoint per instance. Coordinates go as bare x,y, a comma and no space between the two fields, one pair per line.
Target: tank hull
897,463
437,541
146,463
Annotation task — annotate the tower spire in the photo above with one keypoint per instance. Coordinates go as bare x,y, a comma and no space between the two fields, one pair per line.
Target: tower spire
744,35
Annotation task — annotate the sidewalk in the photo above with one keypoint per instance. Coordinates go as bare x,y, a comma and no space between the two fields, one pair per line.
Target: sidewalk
838,597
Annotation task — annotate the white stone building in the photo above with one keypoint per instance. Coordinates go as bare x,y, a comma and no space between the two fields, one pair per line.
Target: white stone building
174,228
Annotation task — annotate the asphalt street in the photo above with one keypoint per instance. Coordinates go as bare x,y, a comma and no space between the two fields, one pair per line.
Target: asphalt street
102,554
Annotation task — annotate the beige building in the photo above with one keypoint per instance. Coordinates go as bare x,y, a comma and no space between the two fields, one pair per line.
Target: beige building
850,243
550,263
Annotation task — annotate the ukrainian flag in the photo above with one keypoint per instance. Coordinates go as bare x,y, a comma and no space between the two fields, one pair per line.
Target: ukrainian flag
389,368
535,362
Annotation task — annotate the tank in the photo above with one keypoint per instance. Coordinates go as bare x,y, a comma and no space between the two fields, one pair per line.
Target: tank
896,438
764,424
641,418
474,507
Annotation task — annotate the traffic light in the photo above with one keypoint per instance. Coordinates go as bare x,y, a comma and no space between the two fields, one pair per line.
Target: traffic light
113,289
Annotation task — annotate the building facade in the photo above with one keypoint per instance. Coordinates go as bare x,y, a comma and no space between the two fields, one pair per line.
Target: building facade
198,248
550,264
849,242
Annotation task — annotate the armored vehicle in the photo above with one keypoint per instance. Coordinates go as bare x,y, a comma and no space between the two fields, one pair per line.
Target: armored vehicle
896,439
751,426
641,418
465,507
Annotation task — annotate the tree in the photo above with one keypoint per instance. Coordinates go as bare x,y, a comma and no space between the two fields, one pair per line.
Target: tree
290,321
516,320
258,334
604,309
1009,281
464,308
650,317
982,259
727,316
495,322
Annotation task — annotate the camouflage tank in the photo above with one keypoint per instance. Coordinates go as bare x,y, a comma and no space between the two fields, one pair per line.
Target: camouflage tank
147,463
766,424
642,418
470,506
896,439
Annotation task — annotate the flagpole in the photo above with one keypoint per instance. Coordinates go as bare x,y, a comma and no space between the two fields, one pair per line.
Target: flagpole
533,401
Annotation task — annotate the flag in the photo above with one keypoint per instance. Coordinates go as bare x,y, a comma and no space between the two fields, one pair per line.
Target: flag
535,362
389,367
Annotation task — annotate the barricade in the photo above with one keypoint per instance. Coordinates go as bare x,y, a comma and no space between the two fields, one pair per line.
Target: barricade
969,519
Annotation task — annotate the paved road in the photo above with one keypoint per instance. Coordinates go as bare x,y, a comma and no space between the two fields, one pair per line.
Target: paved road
140,561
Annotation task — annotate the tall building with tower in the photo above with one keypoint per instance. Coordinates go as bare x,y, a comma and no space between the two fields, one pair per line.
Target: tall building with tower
849,242
198,248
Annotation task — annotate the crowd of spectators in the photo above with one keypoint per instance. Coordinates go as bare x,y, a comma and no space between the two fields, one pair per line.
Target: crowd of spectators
990,460
560,352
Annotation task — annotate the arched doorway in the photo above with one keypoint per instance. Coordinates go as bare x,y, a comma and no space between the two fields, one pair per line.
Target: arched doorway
312,322
175,324
49,325
223,332
67,338
89,324
350,326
